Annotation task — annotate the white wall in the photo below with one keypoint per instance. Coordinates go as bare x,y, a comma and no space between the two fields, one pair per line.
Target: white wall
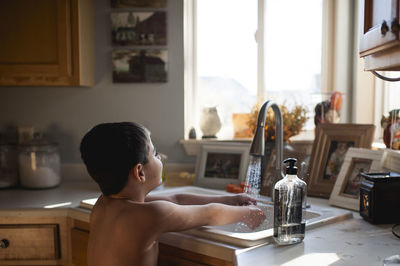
66,113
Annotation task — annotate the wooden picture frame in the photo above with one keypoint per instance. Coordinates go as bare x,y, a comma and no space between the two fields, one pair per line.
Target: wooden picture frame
346,192
328,152
221,164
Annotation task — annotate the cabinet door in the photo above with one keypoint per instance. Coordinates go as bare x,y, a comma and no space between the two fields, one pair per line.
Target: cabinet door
43,42
79,240
378,25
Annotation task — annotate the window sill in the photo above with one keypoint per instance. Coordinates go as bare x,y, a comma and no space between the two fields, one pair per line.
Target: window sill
192,146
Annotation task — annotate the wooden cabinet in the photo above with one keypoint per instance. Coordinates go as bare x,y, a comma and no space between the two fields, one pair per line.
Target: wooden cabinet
79,242
379,34
34,239
46,43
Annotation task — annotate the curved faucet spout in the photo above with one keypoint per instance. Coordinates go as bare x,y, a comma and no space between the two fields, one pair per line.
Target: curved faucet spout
258,144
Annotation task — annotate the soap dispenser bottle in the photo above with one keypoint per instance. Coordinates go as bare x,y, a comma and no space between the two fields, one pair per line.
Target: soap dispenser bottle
289,206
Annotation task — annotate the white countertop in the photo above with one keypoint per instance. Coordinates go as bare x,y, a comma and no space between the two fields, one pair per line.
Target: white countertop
349,242
68,194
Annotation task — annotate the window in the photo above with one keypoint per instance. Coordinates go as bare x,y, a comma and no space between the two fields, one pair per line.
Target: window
240,52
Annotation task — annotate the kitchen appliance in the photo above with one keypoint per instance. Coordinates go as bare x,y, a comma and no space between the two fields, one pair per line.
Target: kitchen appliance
380,197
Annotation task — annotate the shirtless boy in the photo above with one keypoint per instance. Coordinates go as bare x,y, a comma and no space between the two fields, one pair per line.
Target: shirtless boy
125,222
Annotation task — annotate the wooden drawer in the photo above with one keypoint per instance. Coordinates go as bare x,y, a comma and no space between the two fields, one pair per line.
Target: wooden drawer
30,242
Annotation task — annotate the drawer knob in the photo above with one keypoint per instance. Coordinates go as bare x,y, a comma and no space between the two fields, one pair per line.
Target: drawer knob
384,27
4,243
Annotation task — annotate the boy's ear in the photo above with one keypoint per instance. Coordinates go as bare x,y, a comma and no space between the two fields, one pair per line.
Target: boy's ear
137,173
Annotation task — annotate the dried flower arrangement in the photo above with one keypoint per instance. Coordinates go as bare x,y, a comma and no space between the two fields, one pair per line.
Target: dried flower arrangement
293,121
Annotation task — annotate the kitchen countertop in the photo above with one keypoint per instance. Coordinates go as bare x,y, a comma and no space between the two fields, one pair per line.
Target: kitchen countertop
349,242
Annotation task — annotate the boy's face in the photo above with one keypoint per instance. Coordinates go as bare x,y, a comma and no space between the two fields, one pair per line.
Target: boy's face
153,168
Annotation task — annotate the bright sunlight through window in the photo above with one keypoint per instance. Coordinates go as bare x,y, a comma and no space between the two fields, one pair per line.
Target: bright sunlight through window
228,55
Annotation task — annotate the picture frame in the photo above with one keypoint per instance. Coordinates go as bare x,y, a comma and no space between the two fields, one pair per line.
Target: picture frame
138,3
139,28
328,153
133,65
271,176
221,164
391,160
346,192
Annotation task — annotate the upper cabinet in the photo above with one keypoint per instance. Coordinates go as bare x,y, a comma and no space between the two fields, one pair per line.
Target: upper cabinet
379,34
46,43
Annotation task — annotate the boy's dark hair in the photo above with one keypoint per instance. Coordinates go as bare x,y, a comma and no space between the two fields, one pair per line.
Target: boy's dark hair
110,150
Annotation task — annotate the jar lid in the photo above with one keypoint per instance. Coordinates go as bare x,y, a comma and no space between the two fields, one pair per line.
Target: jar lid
39,143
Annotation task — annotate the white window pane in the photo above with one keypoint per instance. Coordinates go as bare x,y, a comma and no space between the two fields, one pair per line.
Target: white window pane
293,48
227,55
393,91
293,45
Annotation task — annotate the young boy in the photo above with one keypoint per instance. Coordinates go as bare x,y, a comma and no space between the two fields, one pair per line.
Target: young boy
125,223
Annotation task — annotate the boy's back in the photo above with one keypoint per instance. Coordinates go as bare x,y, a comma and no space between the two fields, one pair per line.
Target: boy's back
116,239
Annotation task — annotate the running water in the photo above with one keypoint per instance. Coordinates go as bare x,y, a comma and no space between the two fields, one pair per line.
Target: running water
252,187
253,177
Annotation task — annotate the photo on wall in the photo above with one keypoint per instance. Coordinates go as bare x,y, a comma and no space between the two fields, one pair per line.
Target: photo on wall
139,65
139,28
138,3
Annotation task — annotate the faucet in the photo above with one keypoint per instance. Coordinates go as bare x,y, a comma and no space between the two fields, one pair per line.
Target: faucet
258,144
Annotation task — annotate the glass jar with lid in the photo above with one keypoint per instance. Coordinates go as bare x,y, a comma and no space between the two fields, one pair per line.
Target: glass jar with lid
8,165
39,164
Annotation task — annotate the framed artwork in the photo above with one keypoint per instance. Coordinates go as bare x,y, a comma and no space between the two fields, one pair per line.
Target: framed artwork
221,164
329,149
138,3
346,192
139,65
139,28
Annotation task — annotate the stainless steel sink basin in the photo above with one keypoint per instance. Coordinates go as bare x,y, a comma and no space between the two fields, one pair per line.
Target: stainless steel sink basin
239,234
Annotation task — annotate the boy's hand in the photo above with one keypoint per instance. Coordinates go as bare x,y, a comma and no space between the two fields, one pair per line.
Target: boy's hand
255,217
243,200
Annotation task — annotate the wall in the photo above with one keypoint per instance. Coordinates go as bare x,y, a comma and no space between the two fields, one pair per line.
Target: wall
66,113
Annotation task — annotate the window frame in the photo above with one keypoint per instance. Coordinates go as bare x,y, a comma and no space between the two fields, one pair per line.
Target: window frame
190,57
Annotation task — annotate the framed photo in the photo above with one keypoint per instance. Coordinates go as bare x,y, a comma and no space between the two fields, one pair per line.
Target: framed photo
139,28
271,176
138,3
221,164
346,192
391,160
139,65
329,149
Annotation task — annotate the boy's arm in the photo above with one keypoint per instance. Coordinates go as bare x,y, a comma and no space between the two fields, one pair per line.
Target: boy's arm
173,217
193,199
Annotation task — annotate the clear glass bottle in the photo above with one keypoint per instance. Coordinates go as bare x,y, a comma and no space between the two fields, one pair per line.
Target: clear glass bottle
289,207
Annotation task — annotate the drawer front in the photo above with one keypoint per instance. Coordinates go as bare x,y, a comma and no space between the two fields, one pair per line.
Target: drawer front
30,242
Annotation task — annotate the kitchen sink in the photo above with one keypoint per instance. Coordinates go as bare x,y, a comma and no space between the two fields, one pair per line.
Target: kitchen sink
239,234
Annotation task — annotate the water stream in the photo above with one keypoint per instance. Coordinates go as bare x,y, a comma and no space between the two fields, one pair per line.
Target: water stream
253,185
253,177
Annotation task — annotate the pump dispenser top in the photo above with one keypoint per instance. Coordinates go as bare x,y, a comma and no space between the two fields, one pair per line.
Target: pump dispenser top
291,169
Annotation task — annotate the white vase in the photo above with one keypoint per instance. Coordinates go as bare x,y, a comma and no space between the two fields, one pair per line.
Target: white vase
210,122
